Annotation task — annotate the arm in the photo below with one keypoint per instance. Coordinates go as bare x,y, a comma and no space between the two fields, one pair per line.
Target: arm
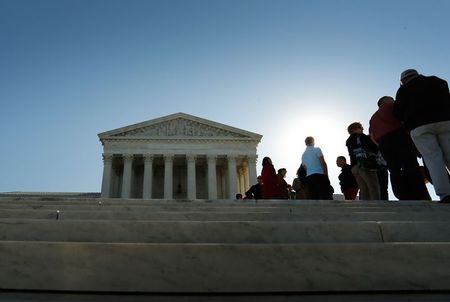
398,106
349,144
324,165
371,129
251,192
369,143
373,140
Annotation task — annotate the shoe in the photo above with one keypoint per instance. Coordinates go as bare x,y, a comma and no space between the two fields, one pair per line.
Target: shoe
446,199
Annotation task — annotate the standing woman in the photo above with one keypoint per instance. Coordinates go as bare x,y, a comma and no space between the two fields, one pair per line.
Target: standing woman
269,179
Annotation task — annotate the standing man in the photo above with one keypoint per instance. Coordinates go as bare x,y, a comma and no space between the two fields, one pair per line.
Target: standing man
347,181
398,150
316,171
423,104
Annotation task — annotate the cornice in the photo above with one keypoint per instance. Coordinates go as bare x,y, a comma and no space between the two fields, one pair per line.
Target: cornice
180,140
191,126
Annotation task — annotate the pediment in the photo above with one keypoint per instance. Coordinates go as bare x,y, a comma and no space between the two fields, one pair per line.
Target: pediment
179,126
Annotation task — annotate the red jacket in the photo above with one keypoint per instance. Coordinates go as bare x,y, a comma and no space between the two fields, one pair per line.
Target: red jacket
384,122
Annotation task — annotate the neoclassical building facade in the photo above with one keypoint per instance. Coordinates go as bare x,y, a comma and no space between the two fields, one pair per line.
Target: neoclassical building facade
178,156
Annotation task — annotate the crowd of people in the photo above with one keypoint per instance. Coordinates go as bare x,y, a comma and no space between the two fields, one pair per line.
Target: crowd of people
416,124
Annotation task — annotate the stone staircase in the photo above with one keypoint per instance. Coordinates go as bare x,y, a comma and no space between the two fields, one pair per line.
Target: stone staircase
222,247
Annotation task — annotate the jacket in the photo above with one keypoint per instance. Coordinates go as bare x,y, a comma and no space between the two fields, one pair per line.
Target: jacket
346,178
270,180
353,147
423,100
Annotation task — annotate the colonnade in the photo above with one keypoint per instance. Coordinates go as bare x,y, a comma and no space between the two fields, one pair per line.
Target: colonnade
240,174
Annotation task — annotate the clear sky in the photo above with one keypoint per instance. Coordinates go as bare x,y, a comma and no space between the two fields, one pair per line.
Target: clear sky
70,69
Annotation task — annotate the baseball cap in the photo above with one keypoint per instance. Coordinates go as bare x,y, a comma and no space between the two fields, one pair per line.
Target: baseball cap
408,73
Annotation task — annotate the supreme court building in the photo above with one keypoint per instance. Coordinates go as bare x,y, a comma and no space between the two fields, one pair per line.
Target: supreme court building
178,156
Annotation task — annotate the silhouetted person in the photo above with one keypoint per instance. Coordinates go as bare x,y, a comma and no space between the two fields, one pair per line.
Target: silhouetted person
299,184
269,178
316,171
255,191
347,181
363,153
282,186
399,151
423,104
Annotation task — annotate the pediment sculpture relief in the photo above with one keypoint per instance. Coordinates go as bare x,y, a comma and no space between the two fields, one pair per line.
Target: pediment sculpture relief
179,128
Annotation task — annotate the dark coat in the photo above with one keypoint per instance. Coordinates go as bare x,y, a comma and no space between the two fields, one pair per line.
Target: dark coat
352,145
346,178
255,192
423,100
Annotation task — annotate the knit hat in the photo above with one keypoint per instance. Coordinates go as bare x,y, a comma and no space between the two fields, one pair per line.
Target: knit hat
408,73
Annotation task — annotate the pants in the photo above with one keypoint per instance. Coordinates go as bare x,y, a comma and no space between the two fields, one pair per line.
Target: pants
369,188
350,194
383,181
400,154
319,187
433,142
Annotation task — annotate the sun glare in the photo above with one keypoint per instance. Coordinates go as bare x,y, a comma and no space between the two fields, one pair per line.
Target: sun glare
329,132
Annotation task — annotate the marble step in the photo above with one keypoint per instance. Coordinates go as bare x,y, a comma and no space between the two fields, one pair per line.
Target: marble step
4,201
224,268
225,215
232,207
222,232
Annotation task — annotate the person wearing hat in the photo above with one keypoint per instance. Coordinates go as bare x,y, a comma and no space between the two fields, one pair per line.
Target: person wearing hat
423,105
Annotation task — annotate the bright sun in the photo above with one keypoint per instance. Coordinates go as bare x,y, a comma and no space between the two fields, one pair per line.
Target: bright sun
329,132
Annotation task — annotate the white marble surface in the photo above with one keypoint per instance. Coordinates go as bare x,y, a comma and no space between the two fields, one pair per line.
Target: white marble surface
286,214
223,246
189,231
224,268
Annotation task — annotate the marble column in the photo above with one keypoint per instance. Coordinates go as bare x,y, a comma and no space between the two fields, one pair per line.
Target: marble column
212,177
246,176
107,177
252,169
232,177
191,183
243,179
148,176
168,176
126,181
